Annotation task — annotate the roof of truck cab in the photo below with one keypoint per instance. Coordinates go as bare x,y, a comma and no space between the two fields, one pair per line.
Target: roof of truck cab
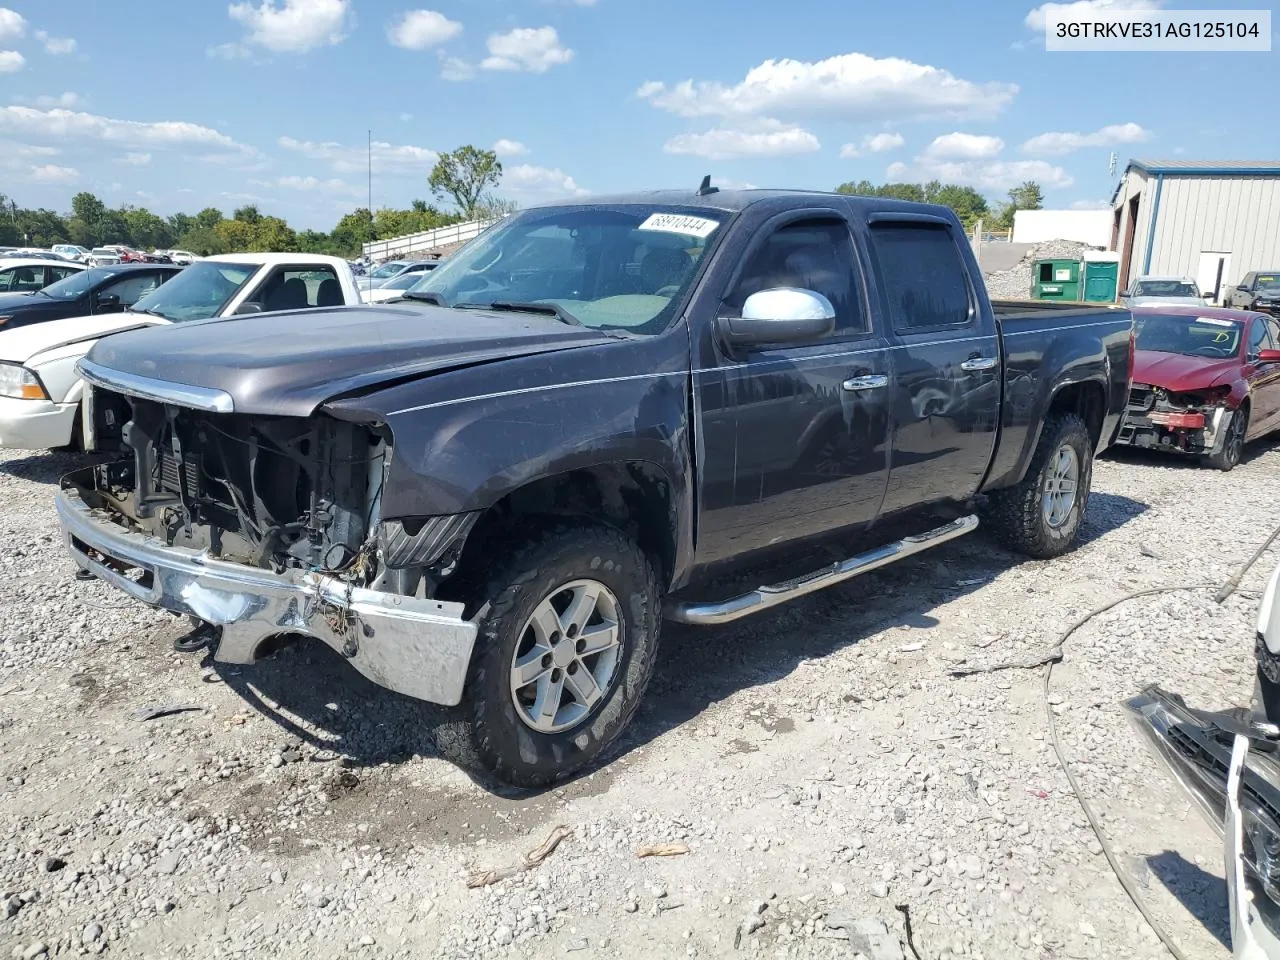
735,201
271,259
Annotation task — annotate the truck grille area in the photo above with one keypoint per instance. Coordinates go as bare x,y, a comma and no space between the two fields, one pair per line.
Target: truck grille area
273,492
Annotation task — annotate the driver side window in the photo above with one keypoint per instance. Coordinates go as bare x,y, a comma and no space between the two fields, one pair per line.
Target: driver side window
1259,338
131,288
812,255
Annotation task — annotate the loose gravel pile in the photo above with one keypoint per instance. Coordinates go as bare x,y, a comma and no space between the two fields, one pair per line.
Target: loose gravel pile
1017,282
830,779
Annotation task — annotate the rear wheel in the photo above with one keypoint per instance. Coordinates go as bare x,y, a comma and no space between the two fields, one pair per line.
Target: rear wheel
1228,456
568,635
1041,516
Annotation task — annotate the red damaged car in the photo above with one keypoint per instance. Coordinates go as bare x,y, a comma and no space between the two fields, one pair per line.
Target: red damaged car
1205,381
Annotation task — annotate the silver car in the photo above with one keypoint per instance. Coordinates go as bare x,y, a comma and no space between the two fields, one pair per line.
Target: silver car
1147,291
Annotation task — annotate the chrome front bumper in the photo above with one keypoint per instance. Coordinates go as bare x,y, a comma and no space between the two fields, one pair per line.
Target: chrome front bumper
421,648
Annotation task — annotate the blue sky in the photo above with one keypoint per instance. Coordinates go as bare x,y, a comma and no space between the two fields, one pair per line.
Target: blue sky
269,101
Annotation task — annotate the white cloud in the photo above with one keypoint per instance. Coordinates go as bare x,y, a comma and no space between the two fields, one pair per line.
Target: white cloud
228,51
1038,19
455,68
1090,205
387,159
850,87
728,183
11,150
11,61
872,143
530,182
406,117
12,24
293,26
58,46
51,173
423,29
63,100
309,184
765,138
535,50
59,124
988,175
135,159
1056,144
963,146
510,148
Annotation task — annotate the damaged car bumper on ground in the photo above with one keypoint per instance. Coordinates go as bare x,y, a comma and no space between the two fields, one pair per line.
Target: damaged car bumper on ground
1227,764
418,647
1158,419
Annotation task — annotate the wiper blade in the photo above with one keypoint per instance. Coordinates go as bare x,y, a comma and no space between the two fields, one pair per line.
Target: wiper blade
425,296
523,306
151,313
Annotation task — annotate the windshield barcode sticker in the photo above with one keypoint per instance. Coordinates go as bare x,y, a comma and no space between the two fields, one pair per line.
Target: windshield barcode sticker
677,223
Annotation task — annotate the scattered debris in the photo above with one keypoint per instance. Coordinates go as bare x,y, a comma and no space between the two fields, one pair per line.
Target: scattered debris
1053,655
662,850
530,860
163,710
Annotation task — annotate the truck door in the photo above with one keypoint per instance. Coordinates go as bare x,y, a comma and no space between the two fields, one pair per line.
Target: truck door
946,401
794,438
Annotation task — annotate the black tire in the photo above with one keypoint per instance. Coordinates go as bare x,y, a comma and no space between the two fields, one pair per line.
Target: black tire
485,733
1016,515
1228,458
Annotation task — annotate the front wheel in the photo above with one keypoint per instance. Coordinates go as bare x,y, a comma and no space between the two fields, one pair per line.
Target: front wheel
1041,516
1228,456
568,635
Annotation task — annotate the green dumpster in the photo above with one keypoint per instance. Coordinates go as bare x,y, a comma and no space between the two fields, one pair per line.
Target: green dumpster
1057,280
1101,281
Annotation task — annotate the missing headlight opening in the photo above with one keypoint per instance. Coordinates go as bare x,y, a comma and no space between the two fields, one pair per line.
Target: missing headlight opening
270,492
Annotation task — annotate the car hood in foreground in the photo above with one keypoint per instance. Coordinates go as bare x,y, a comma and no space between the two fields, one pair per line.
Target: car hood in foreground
287,364
23,343
1178,372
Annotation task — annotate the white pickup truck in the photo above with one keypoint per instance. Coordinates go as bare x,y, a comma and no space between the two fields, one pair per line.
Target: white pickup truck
39,389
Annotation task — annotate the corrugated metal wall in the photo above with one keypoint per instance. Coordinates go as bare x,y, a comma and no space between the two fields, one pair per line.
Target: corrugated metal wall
1238,215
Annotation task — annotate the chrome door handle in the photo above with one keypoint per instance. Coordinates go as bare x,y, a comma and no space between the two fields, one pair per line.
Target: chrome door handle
974,364
873,381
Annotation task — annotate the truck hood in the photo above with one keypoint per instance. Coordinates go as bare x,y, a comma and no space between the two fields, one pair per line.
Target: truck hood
22,343
1179,373
287,364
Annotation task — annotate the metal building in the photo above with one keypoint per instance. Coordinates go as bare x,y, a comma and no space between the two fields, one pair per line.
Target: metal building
1211,220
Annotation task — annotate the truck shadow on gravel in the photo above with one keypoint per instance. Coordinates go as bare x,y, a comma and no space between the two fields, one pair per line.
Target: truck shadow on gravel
1203,894
1137,456
47,467
325,704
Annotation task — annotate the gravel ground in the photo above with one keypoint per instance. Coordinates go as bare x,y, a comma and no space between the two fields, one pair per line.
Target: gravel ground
830,779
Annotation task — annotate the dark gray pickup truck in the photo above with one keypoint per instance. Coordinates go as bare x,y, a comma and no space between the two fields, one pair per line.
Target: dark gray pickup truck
488,494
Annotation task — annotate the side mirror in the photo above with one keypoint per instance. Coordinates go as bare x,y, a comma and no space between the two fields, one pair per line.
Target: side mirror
780,315
247,308
108,302
1268,356
1242,288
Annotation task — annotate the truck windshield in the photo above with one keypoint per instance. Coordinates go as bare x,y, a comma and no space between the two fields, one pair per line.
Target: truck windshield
1165,288
1267,284
623,267
1189,336
198,292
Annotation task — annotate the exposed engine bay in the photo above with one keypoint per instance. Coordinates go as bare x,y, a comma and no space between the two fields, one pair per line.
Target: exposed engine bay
1189,422
269,492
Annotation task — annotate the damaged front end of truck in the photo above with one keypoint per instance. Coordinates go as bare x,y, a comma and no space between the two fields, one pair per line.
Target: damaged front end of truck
1192,422
266,525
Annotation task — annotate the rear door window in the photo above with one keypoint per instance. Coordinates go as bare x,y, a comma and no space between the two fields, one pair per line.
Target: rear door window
922,276
132,287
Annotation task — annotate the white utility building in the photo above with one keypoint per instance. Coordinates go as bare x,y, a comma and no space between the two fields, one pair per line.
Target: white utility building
1210,220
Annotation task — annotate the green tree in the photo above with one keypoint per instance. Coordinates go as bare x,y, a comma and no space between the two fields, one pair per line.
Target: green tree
180,223
146,230
464,175
208,218
273,234
202,241
41,228
234,235
352,230
1028,196
494,207
970,206
247,214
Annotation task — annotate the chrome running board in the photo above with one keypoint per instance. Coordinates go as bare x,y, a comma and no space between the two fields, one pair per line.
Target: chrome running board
762,598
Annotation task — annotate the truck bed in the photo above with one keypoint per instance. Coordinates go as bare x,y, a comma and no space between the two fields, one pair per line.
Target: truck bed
1014,309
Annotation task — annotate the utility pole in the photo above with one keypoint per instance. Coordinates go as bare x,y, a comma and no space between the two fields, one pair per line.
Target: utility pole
372,235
